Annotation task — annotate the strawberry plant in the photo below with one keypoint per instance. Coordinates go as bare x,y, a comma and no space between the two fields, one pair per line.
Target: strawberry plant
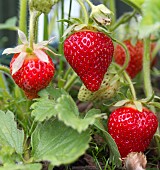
87,98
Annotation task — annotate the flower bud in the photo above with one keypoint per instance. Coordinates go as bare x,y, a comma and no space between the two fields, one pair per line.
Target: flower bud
101,14
43,6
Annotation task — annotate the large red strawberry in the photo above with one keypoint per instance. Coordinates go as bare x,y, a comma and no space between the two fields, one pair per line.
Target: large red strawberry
89,53
34,74
131,129
136,56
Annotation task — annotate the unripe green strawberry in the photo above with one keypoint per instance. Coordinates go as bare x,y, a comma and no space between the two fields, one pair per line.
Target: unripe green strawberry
131,129
89,53
107,90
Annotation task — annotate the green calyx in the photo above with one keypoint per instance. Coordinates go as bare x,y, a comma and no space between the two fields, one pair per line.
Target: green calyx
42,6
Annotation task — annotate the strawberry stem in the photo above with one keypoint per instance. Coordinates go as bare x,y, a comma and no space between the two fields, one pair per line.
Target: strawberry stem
113,9
23,17
70,82
127,59
86,18
125,18
128,80
6,70
130,85
147,81
32,26
146,68
90,4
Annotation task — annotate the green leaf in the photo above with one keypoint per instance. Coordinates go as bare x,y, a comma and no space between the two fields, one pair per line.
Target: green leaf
57,143
114,153
8,156
36,166
43,109
9,24
9,134
67,112
55,93
150,22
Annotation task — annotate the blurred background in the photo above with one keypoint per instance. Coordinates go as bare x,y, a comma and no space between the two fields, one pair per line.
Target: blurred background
10,8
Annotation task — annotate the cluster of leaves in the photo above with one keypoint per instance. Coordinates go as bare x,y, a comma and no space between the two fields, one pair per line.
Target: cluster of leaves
57,132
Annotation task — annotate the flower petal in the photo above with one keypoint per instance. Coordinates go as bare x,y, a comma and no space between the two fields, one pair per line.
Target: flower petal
41,55
44,43
17,64
22,37
17,49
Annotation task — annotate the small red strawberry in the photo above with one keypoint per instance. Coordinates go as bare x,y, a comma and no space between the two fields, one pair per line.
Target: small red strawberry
136,56
34,74
131,129
89,53
31,68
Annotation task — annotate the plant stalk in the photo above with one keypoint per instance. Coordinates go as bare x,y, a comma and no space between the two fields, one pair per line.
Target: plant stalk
70,9
113,9
127,59
146,68
23,17
86,18
70,82
61,37
128,80
45,32
32,26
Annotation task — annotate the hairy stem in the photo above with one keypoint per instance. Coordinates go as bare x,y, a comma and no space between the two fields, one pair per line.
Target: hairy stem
70,82
6,70
113,9
130,85
45,32
90,3
86,19
146,68
70,9
125,18
32,26
61,37
23,17
127,59
128,79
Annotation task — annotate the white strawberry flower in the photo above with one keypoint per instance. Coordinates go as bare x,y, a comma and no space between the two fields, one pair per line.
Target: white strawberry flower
24,50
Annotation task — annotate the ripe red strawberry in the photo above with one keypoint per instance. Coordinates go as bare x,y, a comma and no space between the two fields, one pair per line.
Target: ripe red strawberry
34,74
89,53
136,56
131,129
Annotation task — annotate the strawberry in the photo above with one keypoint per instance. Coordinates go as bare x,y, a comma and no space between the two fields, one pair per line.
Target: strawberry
136,56
89,53
108,88
131,129
31,67
34,74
